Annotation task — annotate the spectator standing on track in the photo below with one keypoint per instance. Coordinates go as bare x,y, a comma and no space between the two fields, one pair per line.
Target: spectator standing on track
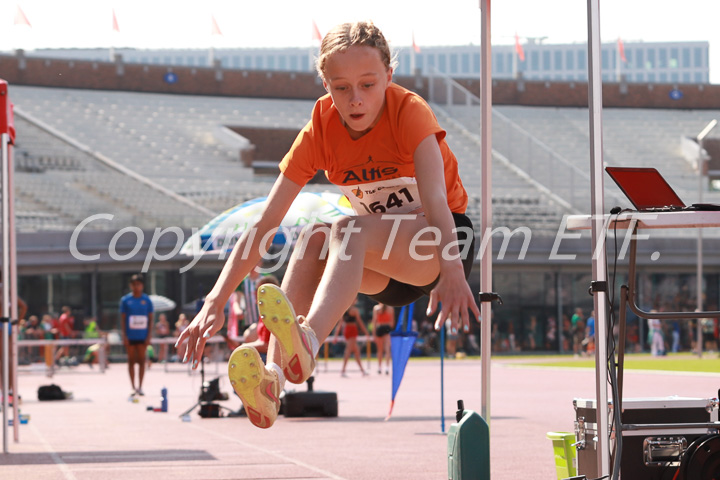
33,329
137,319
66,331
350,325
675,336
48,326
551,334
180,325
162,330
533,335
578,331
91,328
655,336
589,341
451,339
383,322
708,334
567,335
92,354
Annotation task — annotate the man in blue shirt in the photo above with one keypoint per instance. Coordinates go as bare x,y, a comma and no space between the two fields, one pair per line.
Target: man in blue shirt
589,341
136,310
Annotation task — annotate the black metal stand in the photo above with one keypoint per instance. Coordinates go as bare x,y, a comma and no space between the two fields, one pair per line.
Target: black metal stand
208,394
627,300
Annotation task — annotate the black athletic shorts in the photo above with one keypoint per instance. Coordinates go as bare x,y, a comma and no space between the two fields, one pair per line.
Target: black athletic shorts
383,330
398,294
136,342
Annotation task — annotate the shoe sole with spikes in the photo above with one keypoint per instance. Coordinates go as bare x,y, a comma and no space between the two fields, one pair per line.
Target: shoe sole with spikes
258,389
279,317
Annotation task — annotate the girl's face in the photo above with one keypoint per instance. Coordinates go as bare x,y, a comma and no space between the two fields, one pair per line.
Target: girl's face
356,80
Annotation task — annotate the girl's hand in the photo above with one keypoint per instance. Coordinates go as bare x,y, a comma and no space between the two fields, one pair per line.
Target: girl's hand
205,324
456,297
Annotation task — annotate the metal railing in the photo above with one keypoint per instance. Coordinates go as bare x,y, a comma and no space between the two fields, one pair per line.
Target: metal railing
525,152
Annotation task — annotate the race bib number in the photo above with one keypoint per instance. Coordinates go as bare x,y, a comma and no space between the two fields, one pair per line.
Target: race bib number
397,195
138,322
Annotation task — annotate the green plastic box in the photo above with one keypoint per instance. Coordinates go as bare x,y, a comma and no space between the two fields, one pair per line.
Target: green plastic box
565,454
469,448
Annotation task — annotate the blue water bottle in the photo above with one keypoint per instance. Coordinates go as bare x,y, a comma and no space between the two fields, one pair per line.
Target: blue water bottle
163,402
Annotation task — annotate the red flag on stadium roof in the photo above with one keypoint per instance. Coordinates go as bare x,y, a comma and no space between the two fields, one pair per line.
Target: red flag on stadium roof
20,18
115,25
316,32
214,28
621,50
415,45
519,49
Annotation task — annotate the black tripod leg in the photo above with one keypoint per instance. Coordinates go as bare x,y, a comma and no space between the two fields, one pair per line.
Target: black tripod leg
186,412
621,344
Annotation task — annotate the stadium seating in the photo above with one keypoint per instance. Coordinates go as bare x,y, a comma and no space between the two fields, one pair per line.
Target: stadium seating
181,143
631,137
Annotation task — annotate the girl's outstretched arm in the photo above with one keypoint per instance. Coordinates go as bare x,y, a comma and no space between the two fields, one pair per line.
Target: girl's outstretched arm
244,257
452,288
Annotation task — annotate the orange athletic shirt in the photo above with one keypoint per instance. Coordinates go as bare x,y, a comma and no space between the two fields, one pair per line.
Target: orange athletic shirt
384,318
376,171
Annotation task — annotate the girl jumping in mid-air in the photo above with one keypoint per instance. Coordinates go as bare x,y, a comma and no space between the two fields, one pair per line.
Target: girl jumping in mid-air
382,145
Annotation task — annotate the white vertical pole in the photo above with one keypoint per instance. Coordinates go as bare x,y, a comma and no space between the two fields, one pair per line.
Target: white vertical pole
5,287
50,294
486,201
702,158
699,268
599,261
12,283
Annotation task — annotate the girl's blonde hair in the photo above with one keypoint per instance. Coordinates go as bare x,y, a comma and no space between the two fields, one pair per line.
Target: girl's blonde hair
346,35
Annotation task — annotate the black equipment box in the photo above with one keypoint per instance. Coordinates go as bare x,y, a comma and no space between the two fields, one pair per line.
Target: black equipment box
656,433
310,403
209,410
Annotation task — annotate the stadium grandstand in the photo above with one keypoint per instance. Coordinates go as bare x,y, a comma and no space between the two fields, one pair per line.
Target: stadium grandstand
102,140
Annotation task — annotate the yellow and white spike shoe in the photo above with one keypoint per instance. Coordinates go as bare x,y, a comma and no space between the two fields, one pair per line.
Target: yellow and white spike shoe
291,332
257,387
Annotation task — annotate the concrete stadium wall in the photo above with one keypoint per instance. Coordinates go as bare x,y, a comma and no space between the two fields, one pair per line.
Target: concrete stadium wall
615,95
21,70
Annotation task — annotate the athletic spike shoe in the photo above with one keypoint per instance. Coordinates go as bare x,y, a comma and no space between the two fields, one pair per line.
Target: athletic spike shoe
291,332
257,387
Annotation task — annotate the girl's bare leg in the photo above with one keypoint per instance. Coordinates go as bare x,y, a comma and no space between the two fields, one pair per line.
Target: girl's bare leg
356,350
346,354
362,259
380,347
132,359
303,275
